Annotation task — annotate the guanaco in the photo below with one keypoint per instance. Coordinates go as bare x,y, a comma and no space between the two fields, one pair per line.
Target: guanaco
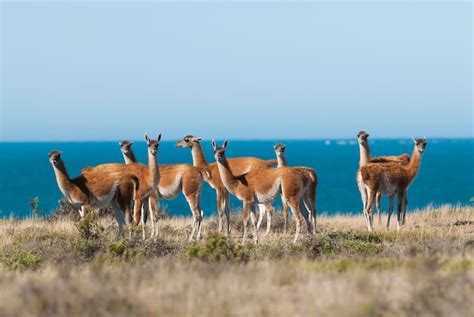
95,188
365,158
173,179
309,198
238,166
261,186
391,179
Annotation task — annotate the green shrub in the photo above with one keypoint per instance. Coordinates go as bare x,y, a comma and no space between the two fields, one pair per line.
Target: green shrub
65,210
18,259
319,244
118,248
360,247
217,248
86,248
89,228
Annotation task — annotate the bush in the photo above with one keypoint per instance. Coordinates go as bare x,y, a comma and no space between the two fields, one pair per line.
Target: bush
16,258
118,248
34,203
215,249
89,228
65,210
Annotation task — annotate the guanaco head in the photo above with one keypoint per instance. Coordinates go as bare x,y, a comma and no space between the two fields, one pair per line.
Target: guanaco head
125,146
188,141
153,144
420,144
362,136
219,151
54,157
279,149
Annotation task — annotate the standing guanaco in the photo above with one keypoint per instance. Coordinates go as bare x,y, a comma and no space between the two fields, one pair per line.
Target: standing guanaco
173,179
238,166
391,179
261,186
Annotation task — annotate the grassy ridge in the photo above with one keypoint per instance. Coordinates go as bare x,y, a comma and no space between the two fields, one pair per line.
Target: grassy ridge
66,267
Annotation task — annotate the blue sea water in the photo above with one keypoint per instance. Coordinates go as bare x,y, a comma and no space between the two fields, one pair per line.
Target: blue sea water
446,174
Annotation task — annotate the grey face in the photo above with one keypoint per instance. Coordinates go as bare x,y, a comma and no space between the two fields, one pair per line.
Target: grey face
279,149
188,141
54,157
420,144
125,146
362,136
219,151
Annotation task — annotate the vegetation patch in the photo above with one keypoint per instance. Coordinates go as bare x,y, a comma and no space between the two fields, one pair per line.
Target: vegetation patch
16,258
217,248
89,228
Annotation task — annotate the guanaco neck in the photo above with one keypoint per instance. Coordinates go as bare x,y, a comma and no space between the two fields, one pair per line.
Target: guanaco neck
226,175
198,156
364,154
62,177
414,166
129,157
153,169
281,161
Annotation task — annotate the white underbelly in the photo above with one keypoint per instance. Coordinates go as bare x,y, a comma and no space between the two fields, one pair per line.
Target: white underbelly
168,193
172,190
270,195
104,201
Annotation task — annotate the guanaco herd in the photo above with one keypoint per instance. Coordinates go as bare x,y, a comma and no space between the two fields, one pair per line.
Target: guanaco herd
133,190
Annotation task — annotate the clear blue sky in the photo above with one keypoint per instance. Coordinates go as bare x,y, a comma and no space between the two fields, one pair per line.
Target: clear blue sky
113,70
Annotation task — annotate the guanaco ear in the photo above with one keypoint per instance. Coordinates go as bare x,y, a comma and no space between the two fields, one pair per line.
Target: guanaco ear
414,140
214,145
225,144
197,139
158,138
147,139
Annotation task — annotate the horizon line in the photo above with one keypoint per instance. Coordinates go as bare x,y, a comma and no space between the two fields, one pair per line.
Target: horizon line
239,140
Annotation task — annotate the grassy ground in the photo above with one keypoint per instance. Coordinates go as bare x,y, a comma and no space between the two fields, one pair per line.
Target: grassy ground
63,267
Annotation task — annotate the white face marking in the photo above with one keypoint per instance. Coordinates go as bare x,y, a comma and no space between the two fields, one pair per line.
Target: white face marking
172,190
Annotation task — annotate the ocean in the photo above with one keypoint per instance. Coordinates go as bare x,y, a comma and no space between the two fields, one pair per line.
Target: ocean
445,177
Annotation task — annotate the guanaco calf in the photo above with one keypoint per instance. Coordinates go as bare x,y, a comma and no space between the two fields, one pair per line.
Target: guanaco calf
391,179
239,166
261,186
173,179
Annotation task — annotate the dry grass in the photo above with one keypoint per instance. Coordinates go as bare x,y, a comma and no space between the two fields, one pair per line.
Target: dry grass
65,268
